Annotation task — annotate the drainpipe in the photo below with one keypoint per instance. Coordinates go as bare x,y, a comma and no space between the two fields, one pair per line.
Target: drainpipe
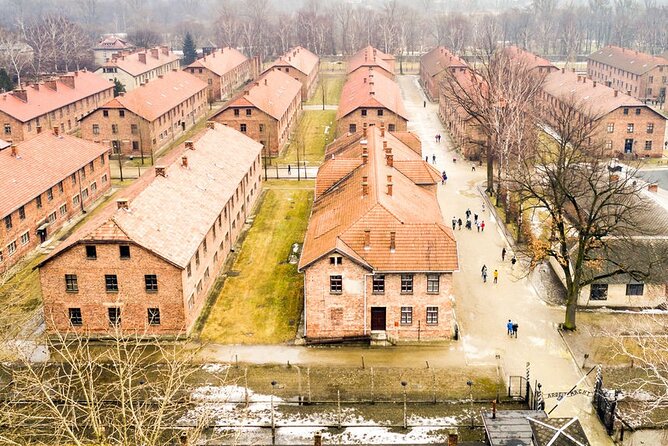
365,317
305,307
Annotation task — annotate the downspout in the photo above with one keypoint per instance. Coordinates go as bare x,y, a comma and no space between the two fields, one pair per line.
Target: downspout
365,317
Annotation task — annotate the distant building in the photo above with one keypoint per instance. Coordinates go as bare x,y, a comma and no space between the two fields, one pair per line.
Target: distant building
57,102
626,125
301,64
266,110
377,257
109,45
44,182
369,99
146,263
370,58
134,69
223,70
145,119
637,74
433,66
533,61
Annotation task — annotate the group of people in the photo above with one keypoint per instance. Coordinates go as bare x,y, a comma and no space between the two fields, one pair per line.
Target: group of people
438,138
479,224
512,328
513,261
483,272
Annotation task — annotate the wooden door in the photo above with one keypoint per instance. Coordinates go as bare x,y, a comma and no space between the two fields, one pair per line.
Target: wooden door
378,318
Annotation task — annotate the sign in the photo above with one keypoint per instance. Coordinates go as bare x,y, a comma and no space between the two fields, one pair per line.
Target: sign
561,395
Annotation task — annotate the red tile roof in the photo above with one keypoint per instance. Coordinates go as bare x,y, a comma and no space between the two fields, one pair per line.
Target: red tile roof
43,99
220,61
532,60
370,57
627,59
299,58
366,89
112,43
41,162
342,213
272,93
595,98
439,59
159,95
171,215
131,63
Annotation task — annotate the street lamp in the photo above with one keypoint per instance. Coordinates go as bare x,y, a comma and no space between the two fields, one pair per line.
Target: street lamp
273,421
470,384
404,384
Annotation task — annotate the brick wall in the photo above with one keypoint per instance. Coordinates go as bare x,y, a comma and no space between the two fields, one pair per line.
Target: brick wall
430,84
466,133
616,140
70,197
335,315
309,81
388,118
374,69
638,85
222,86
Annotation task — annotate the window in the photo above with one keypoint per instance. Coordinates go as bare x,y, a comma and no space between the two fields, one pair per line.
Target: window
608,145
104,178
111,282
204,246
352,128
407,284
598,291
189,270
121,113
335,260
378,283
114,316
191,301
52,217
124,251
11,248
650,127
134,129
60,186
91,166
432,283
197,257
22,213
648,145
242,128
629,127
635,289
335,284
248,112
63,210
626,111
8,129
93,187
206,273
432,315
8,222
236,112
74,178
364,112
38,201
71,283
651,79
391,127
105,113
84,194
91,252
406,315
75,317
380,112
637,111
151,282
611,127
25,238
114,128
154,316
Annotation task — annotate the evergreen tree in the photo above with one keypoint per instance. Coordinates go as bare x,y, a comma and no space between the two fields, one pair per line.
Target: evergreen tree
118,87
6,83
189,49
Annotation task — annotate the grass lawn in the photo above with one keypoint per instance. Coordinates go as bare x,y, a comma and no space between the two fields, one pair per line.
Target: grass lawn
333,84
310,137
261,301
20,297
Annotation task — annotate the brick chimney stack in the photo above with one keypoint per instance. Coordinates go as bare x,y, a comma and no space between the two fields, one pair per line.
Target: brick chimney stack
142,57
382,130
190,145
365,186
390,160
122,203
184,161
56,130
68,79
365,154
392,241
15,150
389,184
21,94
159,171
155,53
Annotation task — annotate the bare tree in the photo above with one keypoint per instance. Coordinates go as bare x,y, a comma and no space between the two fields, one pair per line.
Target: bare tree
15,53
145,38
227,25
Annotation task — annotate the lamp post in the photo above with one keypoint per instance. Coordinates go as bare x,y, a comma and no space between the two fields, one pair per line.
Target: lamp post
404,384
470,384
273,421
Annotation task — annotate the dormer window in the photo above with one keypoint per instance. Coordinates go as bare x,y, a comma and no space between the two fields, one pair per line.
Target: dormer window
335,260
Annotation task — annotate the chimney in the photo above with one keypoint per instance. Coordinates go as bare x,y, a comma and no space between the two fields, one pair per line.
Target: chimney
392,241
371,84
155,53
56,130
184,161
364,129
257,84
367,239
142,57
122,203
453,439
382,130
265,81
51,83
628,92
159,171
35,86
579,78
594,83
365,80
389,184
563,70
190,145
616,92
210,125
365,154
39,129
161,76
15,150
654,187
390,160
68,79
165,50
21,94
365,186
246,92
385,146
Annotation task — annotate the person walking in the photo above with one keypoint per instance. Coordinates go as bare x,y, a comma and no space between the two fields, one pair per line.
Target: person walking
433,158
513,261
289,169
468,213
483,272
496,276
482,226
459,222
509,327
436,137
515,327
475,218
424,104
426,158
477,225
503,254
472,167
454,223
483,207
444,177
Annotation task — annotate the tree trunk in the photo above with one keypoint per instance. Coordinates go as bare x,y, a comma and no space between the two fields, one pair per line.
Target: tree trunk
571,306
490,168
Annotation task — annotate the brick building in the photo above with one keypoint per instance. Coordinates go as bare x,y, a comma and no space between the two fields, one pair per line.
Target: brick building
626,125
223,70
301,64
143,120
134,69
433,66
58,102
44,182
370,99
266,110
147,262
640,75
377,258
108,46
543,66
371,58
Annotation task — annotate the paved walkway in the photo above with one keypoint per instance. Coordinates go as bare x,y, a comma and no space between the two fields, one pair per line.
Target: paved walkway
484,308
319,107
